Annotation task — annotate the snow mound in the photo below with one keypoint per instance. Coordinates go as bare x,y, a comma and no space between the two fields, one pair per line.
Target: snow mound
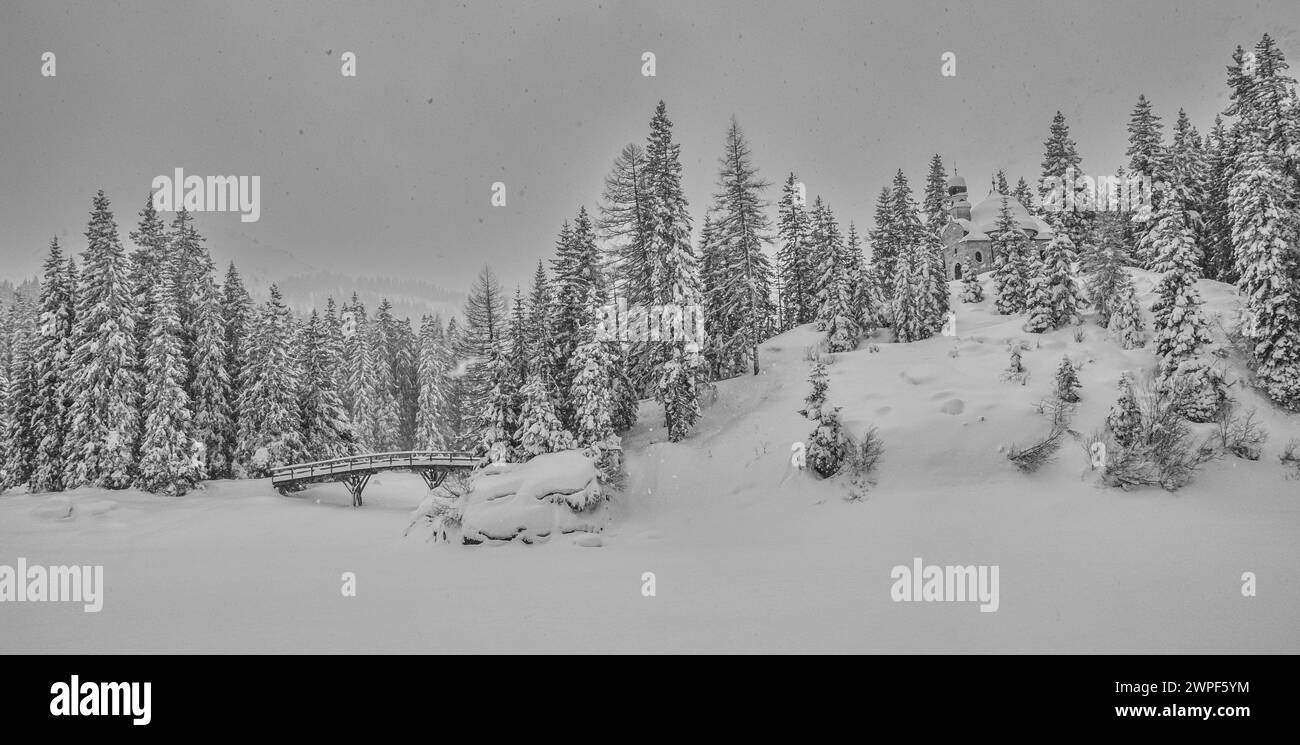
555,492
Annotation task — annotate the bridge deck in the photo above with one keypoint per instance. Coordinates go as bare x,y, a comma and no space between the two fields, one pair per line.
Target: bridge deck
355,470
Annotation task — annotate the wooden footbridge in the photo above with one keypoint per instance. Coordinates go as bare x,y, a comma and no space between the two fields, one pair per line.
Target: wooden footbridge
354,471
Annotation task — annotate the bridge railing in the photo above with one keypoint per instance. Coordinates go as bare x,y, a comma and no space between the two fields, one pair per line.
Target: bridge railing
349,463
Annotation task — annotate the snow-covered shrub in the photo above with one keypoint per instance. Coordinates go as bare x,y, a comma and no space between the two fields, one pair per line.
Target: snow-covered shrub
1290,457
1240,434
828,446
864,454
1198,390
1164,451
842,334
1033,457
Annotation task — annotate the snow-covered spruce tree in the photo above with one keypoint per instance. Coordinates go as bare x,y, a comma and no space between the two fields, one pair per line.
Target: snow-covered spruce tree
744,282
1103,268
816,398
386,426
359,394
794,273
1181,331
592,393
821,259
676,276
884,253
627,225
270,421
104,425
498,419
150,238
1147,157
861,300
169,463
210,387
51,356
1023,194
835,314
1126,315
18,443
1067,381
484,328
237,318
540,430
540,336
971,289
627,401
718,364
936,278
1039,298
1061,162
459,415
327,431
828,446
1065,299
1265,233
1000,184
1011,253
1216,235
433,375
911,297
577,294
1125,417
934,206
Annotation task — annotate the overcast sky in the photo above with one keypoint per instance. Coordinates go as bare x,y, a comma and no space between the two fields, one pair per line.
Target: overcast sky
390,172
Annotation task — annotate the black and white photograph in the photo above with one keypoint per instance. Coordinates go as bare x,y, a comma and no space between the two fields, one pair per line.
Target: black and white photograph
649,327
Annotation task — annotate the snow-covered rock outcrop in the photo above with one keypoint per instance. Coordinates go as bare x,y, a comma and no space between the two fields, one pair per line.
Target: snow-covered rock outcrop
552,493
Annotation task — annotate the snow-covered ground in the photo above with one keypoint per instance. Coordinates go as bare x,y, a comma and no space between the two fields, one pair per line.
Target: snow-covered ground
748,554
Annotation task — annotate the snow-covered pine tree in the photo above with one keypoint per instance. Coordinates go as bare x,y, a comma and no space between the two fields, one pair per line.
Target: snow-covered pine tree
676,276
151,240
327,431
1058,267
104,427
539,430
210,387
1216,235
498,419
1102,266
828,446
1038,305
935,204
18,443
1023,194
936,278
51,359
1125,417
1147,158
816,398
169,462
541,346
861,301
1181,331
459,417
1061,160
1265,224
484,328
592,393
1126,314
884,250
1011,253
1000,184
577,294
913,299
971,289
796,277
237,317
270,420
1067,381
430,431
744,282
383,419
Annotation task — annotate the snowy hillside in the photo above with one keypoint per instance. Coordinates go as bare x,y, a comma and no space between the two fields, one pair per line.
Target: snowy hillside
747,553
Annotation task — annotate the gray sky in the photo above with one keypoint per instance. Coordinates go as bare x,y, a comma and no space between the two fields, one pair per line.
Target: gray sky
389,172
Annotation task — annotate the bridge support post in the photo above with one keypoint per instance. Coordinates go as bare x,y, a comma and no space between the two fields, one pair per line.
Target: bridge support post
356,483
434,477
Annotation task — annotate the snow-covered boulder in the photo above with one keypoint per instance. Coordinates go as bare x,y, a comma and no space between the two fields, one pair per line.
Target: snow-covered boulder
552,493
